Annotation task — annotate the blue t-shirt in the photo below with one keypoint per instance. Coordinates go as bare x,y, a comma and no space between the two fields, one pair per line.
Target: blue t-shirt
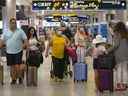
14,40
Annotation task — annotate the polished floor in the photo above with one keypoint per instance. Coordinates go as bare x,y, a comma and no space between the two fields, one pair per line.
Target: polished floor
47,87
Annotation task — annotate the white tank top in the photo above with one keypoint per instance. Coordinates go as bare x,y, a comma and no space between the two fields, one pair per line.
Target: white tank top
33,44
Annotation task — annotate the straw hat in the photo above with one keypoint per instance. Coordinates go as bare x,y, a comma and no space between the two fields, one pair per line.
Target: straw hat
99,39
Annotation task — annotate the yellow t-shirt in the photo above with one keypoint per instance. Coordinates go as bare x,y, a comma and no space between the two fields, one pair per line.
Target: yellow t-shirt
58,45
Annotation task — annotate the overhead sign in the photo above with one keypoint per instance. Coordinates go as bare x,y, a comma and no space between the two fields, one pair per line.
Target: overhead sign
64,14
51,24
119,5
79,5
24,22
83,5
50,5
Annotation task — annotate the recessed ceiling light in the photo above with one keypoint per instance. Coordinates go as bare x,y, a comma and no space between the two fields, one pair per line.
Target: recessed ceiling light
35,4
123,4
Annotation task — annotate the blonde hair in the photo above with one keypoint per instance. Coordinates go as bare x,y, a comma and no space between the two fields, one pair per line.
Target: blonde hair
11,19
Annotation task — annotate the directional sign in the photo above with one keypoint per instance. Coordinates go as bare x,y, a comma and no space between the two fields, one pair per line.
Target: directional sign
79,5
115,5
50,5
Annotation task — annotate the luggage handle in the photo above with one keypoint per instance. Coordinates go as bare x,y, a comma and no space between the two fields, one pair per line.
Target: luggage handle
80,56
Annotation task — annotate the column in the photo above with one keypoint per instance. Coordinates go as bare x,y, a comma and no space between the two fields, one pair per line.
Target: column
101,16
4,18
11,8
8,12
120,15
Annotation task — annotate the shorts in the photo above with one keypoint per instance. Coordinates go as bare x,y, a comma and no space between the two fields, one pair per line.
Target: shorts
13,59
33,59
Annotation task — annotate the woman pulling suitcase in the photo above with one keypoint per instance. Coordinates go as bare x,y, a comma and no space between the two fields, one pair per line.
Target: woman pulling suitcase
80,68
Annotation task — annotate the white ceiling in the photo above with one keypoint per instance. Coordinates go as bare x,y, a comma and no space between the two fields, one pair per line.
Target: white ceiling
24,2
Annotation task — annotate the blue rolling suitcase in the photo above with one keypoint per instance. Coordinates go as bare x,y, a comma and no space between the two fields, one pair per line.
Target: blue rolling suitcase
80,72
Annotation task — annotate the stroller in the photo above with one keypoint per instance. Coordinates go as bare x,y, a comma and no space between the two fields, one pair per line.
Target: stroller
67,71
70,55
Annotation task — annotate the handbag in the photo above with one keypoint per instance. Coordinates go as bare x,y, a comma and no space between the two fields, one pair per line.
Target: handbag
41,58
72,53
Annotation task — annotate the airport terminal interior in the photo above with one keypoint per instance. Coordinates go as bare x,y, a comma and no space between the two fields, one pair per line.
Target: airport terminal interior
46,16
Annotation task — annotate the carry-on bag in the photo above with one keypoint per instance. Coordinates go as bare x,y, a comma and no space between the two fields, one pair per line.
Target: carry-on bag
80,72
105,80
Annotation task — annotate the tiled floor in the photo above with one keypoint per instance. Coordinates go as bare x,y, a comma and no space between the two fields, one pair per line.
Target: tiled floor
49,88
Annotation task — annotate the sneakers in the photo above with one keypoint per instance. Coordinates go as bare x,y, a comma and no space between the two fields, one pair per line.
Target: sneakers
13,82
121,87
35,84
20,81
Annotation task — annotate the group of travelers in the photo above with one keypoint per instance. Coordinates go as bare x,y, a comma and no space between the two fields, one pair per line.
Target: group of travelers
16,41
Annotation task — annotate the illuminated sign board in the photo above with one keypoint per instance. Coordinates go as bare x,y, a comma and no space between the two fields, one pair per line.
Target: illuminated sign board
115,5
50,5
83,5
50,24
79,5
65,14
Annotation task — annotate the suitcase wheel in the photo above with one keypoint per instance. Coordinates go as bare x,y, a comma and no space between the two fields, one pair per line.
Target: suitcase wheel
76,80
83,80
66,74
101,90
111,90
51,74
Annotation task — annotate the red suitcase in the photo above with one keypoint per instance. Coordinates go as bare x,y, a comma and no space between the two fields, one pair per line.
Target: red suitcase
105,80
